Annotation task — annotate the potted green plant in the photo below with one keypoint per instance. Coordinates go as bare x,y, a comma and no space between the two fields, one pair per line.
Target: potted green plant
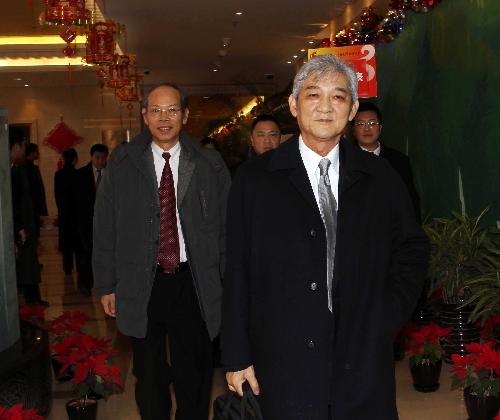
477,373
461,250
423,347
484,295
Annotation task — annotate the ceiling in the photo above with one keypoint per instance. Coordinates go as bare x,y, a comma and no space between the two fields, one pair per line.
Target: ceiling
181,41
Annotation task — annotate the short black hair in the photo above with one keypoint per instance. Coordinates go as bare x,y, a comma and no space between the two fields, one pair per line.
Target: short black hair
370,106
69,155
184,98
16,138
99,148
31,148
264,117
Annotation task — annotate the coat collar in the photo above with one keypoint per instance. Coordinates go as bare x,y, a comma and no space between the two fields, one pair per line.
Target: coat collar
141,155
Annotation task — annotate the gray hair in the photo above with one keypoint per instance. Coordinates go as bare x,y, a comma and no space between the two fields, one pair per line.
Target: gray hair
324,64
184,98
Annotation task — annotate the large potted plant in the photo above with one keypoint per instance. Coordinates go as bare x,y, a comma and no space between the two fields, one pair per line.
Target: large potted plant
461,250
423,347
95,375
484,295
477,373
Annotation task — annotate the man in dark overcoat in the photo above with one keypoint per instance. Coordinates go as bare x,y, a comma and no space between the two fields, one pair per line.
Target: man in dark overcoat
325,263
159,252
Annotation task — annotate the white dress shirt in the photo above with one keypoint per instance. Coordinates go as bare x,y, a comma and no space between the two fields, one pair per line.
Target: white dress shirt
375,152
96,174
311,162
174,166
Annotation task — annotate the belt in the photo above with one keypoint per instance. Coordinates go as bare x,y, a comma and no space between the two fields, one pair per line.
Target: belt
183,266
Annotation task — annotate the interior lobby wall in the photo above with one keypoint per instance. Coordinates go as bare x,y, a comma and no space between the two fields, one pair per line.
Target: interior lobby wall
94,117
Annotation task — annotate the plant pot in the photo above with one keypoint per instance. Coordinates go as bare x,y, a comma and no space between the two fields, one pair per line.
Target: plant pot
480,407
457,317
56,367
426,376
79,409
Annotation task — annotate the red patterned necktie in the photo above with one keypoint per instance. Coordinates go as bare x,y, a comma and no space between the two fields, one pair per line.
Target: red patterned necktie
169,253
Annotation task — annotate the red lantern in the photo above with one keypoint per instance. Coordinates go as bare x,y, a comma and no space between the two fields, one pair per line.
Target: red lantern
101,42
119,71
131,92
69,51
66,12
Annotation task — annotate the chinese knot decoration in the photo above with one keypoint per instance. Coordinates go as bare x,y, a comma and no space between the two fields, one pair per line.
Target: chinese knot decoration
101,42
62,137
66,12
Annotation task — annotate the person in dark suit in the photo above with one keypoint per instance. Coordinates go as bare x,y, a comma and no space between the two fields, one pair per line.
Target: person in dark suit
27,265
159,251
37,189
87,181
367,127
316,289
64,184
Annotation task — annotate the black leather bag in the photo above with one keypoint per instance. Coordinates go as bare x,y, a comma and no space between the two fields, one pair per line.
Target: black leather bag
231,406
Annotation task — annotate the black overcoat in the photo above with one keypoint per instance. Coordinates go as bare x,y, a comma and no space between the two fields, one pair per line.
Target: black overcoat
275,312
64,192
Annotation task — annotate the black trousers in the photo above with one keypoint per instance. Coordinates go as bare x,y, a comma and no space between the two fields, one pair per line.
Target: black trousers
173,311
83,256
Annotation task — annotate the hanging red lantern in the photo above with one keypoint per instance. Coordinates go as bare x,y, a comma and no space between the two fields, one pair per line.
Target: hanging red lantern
66,12
131,92
69,51
120,72
101,42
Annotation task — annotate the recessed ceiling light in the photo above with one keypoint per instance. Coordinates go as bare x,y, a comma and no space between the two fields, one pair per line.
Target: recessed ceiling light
289,62
206,97
239,13
303,50
27,85
215,70
295,56
311,42
17,79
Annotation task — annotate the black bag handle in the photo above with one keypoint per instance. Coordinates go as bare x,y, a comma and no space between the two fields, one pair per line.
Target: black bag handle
250,401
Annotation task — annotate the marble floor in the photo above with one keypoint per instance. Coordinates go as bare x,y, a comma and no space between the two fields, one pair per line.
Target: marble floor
60,291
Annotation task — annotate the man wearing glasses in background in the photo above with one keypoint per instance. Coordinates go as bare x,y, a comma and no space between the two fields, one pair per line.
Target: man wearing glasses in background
159,249
367,127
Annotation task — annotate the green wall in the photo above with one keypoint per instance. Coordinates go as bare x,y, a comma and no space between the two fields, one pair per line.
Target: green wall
439,87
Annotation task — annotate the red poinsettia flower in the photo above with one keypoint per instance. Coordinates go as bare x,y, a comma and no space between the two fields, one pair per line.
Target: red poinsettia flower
460,364
16,412
487,329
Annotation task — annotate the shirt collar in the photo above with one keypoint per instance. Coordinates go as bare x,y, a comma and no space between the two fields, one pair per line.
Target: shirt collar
311,159
174,151
375,152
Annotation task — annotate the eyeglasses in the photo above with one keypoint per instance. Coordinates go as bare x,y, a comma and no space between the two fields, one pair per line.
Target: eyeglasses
170,111
368,124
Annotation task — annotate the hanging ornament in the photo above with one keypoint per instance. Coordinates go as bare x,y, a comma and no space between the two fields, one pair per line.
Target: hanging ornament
68,35
62,137
391,26
69,51
325,43
101,43
66,12
130,92
120,72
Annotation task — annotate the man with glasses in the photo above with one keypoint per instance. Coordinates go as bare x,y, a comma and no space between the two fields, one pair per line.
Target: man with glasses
159,248
367,127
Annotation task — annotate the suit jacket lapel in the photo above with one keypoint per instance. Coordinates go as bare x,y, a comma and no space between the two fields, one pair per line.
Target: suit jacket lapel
186,170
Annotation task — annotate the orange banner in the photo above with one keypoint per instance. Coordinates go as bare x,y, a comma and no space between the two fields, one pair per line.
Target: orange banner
362,60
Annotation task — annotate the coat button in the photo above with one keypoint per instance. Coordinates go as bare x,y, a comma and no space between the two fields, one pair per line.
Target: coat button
310,344
314,286
312,233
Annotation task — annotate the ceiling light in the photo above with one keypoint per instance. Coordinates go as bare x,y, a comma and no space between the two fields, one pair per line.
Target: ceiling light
38,40
206,97
311,42
17,79
295,56
215,70
27,85
303,50
239,13
289,62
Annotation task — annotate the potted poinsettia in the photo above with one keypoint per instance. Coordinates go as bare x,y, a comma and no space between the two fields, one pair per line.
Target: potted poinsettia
67,324
477,373
33,314
95,375
423,347
17,412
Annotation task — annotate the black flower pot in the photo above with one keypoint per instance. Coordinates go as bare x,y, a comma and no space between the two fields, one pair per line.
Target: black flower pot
426,376
82,409
457,317
56,367
479,407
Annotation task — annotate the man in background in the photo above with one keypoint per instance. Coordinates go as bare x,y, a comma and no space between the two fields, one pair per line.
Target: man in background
64,184
37,189
367,128
87,181
265,134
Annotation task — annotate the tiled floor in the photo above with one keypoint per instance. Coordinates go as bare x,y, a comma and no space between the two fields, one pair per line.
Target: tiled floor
60,291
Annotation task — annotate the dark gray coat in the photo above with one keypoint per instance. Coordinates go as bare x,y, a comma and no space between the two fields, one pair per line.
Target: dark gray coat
126,229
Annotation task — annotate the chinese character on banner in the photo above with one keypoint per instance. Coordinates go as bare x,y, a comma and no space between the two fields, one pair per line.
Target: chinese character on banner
362,59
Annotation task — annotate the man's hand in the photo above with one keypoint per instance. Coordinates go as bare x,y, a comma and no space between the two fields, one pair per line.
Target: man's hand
235,380
108,304
22,236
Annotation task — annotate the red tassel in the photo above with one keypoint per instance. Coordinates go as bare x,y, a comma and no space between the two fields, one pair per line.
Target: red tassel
70,74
